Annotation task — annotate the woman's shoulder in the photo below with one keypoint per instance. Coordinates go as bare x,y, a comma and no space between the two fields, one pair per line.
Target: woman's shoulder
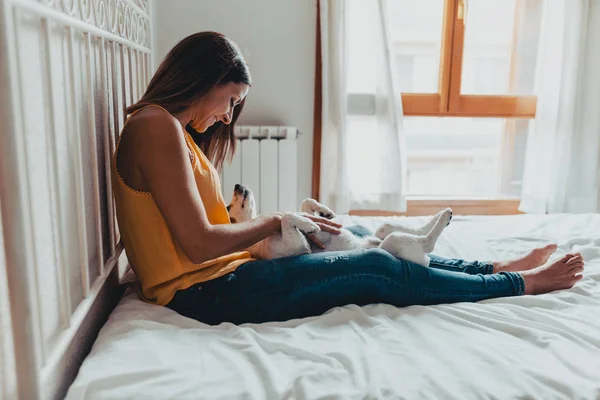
153,118
154,125
153,130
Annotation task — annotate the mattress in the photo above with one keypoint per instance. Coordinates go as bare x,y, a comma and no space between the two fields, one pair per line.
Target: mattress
536,347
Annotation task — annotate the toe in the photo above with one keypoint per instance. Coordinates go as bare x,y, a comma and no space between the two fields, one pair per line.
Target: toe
576,264
566,257
577,270
574,259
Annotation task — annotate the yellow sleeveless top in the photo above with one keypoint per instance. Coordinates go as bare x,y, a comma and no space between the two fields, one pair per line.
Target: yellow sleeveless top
159,263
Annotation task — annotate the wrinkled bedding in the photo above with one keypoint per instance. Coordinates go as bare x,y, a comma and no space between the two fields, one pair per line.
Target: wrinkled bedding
536,347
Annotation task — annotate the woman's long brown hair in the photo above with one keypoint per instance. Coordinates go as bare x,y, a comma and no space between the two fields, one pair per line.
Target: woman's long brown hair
191,69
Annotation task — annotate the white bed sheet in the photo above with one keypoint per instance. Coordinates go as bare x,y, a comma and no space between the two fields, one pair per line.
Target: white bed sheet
538,347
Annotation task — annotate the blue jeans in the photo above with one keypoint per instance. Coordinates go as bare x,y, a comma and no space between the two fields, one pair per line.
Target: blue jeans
311,284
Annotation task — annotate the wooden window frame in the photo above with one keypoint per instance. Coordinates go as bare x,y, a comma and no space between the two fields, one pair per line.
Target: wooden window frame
448,102
417,207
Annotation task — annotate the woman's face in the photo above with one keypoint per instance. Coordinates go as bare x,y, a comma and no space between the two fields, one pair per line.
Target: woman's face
218,105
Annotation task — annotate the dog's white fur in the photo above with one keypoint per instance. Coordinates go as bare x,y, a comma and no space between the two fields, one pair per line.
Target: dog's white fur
401,241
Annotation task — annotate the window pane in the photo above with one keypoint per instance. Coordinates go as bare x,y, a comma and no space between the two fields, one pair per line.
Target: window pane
473,157
500,49
417,37
416,29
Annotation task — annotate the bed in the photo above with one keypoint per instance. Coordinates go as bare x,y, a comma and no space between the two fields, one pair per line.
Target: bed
68,70
538,347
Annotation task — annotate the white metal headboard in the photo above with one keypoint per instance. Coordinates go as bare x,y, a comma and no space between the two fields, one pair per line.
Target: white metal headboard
68,69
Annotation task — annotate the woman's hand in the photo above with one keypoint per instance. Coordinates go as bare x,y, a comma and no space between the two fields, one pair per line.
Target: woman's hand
325,225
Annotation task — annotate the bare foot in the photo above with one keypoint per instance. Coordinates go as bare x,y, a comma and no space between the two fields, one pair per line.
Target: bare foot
531,260
559,274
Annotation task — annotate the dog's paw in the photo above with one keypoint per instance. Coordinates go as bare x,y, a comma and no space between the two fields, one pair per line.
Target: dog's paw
307,226
447,215
313,207
309,229
327,214
323,211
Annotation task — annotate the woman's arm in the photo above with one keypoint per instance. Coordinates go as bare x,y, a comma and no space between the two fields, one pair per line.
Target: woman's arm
163,159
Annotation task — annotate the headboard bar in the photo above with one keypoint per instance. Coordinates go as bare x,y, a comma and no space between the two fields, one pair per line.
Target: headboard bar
70,69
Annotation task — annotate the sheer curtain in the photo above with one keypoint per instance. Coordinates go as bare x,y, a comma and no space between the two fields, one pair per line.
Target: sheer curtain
362,159
561,164
584,172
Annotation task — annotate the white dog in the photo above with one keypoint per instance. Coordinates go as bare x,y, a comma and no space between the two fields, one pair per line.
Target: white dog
404,242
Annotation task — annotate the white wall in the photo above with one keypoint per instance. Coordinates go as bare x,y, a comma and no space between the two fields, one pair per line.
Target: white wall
277,38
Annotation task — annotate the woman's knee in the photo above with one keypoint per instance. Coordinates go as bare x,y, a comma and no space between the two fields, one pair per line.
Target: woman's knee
381,262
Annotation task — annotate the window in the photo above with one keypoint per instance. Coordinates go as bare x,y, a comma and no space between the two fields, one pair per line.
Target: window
466,71
465,157
473,58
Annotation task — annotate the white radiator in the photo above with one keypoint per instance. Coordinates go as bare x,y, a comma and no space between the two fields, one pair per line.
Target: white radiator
265,161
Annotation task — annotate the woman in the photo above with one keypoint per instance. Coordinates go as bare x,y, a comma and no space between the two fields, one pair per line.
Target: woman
188,257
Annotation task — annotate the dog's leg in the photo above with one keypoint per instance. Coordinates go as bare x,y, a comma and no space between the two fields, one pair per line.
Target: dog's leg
384,230
415,248
425,229
405,246
294,243
388,228
428,241
313,207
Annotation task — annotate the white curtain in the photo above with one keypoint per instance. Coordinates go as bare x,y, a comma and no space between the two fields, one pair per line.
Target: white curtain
360,168
561,164
584,177
334,185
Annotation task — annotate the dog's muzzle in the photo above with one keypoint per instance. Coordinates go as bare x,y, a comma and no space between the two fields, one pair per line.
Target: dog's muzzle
241,191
